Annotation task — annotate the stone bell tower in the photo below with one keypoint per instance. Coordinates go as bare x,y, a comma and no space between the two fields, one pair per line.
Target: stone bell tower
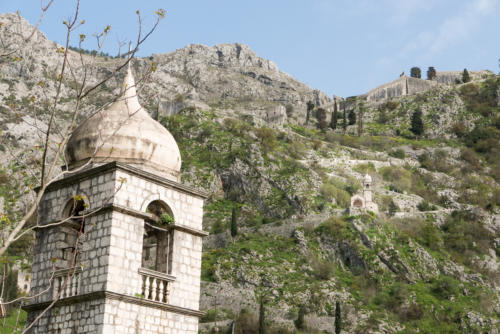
127,257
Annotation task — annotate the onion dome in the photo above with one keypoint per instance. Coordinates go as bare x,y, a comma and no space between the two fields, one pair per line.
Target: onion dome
367,179
125,132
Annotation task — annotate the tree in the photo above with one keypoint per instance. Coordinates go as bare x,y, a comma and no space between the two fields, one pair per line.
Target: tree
338,318
267,139
352,117
234,222
431,73
262,317
360,119
393,208
344,121
465,76
415,72
299,322
321,117
333,121
310,107
417,125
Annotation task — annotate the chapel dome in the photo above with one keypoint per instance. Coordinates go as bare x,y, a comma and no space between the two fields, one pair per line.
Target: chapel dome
367,179
125,132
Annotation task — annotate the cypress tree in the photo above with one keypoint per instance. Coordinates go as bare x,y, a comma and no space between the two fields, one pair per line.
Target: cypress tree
321,117
431,73
262,320
310,107
417,125
333,122
352,117
415,72
465,76
299,323
234,222
360,121
344,121
338,320
393,208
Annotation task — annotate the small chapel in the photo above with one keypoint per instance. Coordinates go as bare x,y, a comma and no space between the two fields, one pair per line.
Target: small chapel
364,200
123,250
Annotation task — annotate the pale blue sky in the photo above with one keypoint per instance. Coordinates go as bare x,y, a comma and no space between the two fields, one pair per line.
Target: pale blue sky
341,47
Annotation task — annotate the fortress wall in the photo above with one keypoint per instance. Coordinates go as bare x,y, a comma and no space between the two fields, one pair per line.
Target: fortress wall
389,90
416,85
450,77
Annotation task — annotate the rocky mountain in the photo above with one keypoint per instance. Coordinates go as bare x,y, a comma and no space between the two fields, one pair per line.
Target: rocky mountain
427,262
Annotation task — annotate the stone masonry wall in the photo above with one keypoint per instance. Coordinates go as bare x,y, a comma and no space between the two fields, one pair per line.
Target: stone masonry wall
84,317
125,318
98,189
127,232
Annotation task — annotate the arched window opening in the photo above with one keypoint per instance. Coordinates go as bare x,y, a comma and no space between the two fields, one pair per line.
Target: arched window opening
69,236
358,203
157,240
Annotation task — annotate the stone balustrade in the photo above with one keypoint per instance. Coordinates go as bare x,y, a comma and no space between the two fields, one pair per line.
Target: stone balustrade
67,282
155,285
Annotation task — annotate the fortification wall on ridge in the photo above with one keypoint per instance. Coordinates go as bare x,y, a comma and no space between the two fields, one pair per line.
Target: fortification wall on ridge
452,77
416,85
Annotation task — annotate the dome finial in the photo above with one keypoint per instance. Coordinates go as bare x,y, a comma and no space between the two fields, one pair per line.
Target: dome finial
129,92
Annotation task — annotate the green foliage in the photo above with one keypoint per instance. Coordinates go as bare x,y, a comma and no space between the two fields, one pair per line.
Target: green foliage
465,235
425,206
344,120
266,138
352,117
465,76
299,322
338,318
393,208
398,153
417,124
14,322
321,117
166,219
336,189
425,233
431,73
322,269
234,222
445,287
334,119
400,178
336,229
415,72
310,108
365,168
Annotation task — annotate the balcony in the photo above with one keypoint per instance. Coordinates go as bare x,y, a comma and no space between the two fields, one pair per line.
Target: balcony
155,285
67,282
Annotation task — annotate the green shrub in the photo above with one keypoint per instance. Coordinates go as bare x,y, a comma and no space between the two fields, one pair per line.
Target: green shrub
267,138
400,178
332,189
398,153
445,287
426,206
364,168
463,234
322,269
